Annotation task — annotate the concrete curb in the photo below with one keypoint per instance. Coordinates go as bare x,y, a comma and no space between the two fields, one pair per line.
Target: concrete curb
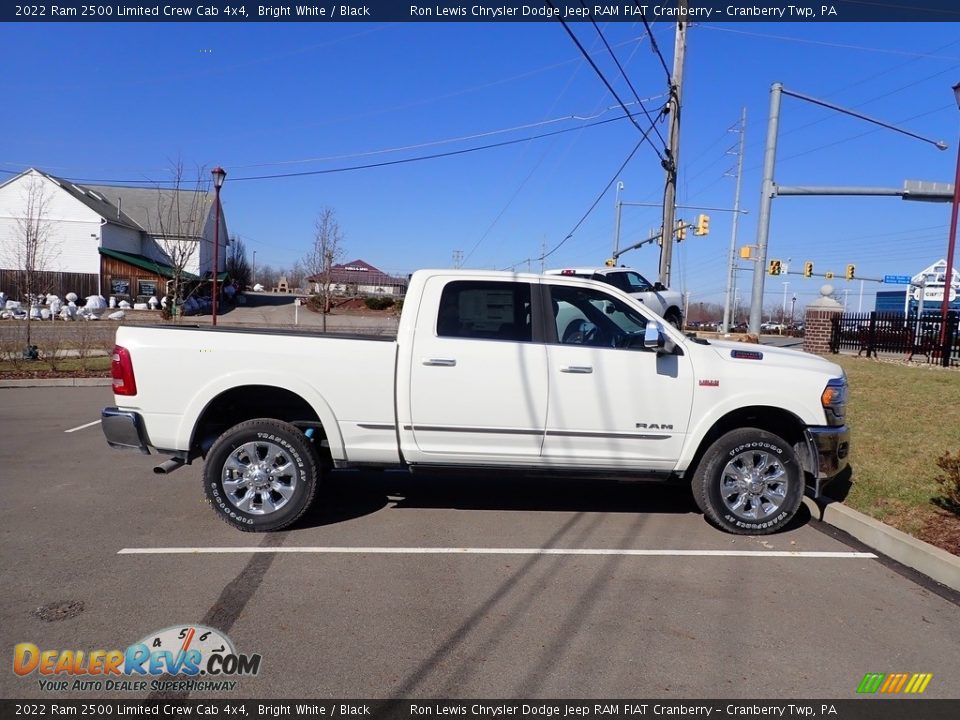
57,382
923,557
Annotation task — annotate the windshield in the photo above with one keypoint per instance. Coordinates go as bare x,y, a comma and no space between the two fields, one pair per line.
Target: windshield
628,280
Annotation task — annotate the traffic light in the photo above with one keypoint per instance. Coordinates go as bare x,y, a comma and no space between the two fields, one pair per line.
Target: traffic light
850,269
774,267
703,225
808,269
610,262
828,275
745,252
681,231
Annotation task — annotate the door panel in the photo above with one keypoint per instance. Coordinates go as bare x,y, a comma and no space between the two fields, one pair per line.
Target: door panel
478,382
612,402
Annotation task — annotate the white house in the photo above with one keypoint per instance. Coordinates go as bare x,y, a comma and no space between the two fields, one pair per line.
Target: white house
105,239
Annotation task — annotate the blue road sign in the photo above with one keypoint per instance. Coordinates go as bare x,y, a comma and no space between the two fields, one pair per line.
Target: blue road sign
896,279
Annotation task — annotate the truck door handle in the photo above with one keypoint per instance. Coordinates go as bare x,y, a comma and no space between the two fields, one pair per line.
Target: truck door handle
579,369
440,362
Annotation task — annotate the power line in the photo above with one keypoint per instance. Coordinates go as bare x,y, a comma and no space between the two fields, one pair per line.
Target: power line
653,43
592,207
433,143
543,156
624,74
605,81
367,166
836,45
433,156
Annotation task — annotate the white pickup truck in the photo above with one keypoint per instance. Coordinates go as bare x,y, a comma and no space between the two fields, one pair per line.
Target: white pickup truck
497,371
664,302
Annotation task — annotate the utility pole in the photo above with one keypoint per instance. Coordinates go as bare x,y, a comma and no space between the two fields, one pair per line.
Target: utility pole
543,253
783,310
672,162
457,259
731,280
793,307
860,306
616,223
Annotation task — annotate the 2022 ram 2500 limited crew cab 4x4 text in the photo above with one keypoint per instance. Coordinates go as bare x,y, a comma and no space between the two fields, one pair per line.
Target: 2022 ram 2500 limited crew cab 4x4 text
488,370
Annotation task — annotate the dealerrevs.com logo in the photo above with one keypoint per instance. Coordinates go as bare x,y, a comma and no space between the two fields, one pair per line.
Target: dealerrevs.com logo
178,658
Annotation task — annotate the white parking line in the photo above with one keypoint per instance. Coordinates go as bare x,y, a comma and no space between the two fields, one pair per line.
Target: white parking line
495,551
81,427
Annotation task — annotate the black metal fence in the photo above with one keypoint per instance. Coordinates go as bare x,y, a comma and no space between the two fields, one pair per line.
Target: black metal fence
908,335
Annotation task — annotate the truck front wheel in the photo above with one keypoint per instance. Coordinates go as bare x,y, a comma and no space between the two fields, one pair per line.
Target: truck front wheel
261,475
749,482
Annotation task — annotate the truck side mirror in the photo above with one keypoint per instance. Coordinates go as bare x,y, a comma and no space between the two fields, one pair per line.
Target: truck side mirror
654,339
658,286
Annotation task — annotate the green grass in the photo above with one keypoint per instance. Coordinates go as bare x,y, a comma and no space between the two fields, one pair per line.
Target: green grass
901,420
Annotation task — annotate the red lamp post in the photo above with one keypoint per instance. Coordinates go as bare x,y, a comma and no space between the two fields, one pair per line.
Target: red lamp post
951,246
219,175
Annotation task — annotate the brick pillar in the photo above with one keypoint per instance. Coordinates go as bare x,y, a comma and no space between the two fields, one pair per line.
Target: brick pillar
818,327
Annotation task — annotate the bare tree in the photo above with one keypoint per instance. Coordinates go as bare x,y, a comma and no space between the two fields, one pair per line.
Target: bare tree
326,251
296,274
181,217
32,250
238,268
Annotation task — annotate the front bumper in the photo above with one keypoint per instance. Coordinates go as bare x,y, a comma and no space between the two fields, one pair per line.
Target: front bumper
124,430
829,449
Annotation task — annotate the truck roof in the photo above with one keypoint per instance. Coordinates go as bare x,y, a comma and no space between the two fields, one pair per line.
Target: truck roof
590,270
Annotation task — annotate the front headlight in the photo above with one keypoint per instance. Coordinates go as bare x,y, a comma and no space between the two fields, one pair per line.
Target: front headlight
834,401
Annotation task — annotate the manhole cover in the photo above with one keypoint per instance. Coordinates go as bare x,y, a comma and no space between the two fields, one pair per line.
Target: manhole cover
59,610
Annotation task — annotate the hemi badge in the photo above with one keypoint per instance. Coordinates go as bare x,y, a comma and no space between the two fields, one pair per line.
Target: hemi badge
710,383
746,355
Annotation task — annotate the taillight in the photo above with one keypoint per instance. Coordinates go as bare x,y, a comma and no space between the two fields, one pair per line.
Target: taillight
121,370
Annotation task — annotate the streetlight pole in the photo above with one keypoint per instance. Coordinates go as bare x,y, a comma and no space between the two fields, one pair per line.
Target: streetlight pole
616,224
951,246
219,174
253,272
783,310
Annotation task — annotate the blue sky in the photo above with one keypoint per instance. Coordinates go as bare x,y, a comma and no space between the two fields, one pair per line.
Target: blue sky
118,101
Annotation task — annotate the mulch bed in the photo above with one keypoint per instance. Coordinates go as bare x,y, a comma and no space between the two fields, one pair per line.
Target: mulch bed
942,530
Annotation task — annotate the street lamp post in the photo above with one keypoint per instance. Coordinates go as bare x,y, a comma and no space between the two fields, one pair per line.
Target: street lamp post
616,224
951,245
253,272
219,174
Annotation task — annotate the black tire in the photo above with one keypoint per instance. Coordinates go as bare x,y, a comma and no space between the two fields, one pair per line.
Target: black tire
274,488
674,318
760,504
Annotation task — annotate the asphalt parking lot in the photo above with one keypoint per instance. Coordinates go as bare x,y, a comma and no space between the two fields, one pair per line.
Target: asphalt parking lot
401,586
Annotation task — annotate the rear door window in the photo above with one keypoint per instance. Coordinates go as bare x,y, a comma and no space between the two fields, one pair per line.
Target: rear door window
485,310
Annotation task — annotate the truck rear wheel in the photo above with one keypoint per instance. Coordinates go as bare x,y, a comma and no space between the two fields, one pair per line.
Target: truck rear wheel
749,482
261,475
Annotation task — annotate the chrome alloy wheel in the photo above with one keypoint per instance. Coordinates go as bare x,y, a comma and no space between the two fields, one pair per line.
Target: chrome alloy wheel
754,485
259,477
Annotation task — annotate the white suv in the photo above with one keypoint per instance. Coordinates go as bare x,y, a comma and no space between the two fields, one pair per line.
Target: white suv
666,303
